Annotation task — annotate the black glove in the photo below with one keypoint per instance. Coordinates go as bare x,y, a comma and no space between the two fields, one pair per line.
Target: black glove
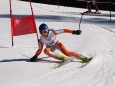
77,32
33,59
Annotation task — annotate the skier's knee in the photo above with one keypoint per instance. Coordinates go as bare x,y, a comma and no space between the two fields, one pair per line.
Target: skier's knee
46,51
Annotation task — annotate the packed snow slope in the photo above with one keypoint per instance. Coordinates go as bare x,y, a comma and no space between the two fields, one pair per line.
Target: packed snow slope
97,39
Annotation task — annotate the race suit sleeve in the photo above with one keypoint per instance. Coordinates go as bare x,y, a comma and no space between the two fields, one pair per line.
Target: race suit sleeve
56,32
41,44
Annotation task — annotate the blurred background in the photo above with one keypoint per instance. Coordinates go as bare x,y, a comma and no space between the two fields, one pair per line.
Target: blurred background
102,4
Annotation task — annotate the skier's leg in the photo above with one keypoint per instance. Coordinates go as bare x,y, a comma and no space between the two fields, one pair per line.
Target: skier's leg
48,51
96,8
65,51
88,7
68,53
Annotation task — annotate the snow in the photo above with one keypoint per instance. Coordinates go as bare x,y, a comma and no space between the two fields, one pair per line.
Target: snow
97,38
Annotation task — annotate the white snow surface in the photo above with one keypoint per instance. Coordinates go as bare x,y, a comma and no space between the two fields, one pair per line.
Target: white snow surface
97,38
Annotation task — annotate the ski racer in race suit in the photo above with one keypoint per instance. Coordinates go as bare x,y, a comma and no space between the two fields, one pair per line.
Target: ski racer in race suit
48,37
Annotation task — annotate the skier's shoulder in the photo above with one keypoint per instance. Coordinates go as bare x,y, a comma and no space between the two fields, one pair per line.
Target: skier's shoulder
51,31
41,38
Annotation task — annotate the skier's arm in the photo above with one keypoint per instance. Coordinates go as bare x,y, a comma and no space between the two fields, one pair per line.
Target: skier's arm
56,32
40,48
33,59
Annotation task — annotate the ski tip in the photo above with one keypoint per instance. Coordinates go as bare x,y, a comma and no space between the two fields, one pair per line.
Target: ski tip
56,66
85,64
90,59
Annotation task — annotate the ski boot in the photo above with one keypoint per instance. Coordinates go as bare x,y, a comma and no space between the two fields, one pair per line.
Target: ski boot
97,12
89,11
62,58
84,59
33,59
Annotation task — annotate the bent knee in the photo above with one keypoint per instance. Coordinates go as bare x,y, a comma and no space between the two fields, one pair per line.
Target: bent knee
46,50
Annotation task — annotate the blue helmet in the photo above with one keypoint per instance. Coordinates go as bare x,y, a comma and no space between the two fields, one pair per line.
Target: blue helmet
43,27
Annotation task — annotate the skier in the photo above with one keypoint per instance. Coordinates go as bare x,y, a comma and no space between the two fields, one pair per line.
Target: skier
48,37
92,2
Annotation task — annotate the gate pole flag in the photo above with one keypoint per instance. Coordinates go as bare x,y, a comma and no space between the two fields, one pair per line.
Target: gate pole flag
24,25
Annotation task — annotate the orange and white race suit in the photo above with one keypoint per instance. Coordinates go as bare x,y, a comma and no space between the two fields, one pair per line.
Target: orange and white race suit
52,44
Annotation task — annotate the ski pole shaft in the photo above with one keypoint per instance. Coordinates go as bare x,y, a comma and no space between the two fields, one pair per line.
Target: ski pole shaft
80,20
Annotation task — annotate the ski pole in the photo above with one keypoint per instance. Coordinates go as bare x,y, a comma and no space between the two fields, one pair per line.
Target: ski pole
80,20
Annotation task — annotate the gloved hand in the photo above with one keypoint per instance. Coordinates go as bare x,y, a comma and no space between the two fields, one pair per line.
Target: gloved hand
33,59
77,32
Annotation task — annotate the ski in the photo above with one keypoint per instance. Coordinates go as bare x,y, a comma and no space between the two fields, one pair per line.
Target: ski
85,64
57,65
90,13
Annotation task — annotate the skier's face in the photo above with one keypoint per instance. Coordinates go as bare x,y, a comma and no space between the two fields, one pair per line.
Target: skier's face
44,33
